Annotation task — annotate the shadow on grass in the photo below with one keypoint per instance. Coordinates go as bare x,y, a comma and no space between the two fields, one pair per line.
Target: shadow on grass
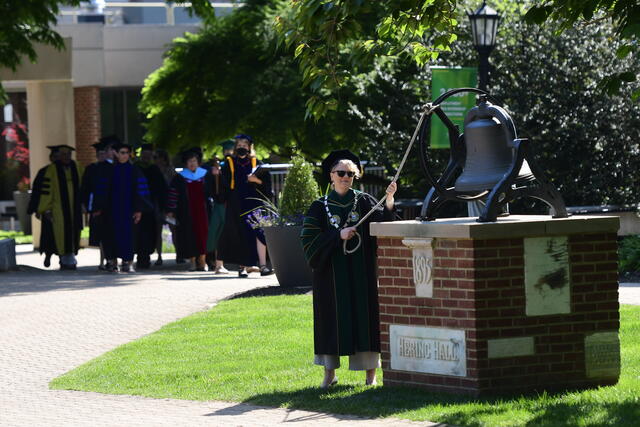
418,404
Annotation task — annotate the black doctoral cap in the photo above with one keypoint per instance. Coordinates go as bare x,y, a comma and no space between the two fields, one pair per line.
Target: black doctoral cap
120,145
191,152
334,157
56,148
227,144
244,136
99,146
109,140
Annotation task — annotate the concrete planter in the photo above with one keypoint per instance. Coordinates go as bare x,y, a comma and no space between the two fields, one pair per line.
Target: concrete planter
22,205
287,256
7,254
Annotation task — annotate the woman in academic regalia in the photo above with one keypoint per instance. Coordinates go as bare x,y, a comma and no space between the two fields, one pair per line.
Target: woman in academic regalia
244,185
188,202
345,296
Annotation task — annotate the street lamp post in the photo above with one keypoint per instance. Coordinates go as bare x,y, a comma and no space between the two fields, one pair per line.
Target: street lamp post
484,26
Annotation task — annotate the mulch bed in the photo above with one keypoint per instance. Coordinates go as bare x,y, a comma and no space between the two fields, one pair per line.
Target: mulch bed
630,277
268,291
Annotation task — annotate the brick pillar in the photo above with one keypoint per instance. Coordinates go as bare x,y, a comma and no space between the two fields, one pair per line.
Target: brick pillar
87,113
526,305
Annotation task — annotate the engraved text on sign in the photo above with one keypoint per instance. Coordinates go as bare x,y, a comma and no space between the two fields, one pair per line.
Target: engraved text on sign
429,350
602,355
422,251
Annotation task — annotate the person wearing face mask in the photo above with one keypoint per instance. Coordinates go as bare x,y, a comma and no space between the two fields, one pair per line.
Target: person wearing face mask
120,199
345,295
188,203
244,184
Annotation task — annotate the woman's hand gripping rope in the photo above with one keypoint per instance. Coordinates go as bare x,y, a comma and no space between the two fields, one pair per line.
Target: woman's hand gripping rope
350,232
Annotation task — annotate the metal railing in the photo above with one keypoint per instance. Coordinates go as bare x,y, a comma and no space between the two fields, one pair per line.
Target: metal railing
279,173
113,10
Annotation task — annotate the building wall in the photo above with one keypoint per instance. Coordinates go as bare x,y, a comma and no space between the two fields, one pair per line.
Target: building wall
87,113
112,57
118,55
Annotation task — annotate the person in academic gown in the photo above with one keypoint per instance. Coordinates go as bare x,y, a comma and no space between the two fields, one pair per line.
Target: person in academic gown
244,184
122,195
150,227
216,220
46,245
345,297
59,202
88,188
189,204
163,161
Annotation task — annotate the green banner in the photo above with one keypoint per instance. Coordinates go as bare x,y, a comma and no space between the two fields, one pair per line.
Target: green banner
455,107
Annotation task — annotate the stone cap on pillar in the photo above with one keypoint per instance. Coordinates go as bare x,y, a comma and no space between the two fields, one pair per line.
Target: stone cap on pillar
510,226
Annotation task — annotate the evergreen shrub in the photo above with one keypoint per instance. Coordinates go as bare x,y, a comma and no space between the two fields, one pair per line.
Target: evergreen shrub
300,190
629,254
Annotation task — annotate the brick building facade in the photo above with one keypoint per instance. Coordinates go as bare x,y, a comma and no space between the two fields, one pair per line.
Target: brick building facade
87,122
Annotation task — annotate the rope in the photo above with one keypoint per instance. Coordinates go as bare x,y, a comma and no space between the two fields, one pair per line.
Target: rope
428,110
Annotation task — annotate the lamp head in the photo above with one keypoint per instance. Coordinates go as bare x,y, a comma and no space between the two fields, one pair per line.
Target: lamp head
484,26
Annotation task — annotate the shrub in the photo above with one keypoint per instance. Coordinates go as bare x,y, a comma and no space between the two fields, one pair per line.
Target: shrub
629,254
300,189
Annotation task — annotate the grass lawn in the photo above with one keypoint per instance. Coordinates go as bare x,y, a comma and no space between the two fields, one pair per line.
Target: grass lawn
259,351
19,236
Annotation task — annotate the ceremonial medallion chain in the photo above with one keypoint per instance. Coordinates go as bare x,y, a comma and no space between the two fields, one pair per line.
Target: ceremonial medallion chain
334,220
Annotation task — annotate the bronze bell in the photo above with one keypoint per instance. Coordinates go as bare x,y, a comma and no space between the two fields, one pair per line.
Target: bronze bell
488,133
488,162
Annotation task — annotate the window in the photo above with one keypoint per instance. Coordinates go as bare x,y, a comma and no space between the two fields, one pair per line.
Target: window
119,114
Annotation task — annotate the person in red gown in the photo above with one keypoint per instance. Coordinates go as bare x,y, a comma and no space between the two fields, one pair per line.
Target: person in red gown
188,204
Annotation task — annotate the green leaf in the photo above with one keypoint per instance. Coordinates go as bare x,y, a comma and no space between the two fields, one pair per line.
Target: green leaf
624,51
631,30
627,76
299,50
588,9
537,15
384,30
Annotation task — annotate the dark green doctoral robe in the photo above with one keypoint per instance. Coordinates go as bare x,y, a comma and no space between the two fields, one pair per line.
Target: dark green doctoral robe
345,287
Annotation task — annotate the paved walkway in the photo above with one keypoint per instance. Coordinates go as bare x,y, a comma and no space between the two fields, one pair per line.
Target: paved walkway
51,322
630,293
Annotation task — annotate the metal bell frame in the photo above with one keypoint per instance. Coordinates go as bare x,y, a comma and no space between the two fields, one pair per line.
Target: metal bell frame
507,189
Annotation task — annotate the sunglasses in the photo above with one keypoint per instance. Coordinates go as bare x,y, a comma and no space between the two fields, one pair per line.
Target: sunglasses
124,152
341,174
